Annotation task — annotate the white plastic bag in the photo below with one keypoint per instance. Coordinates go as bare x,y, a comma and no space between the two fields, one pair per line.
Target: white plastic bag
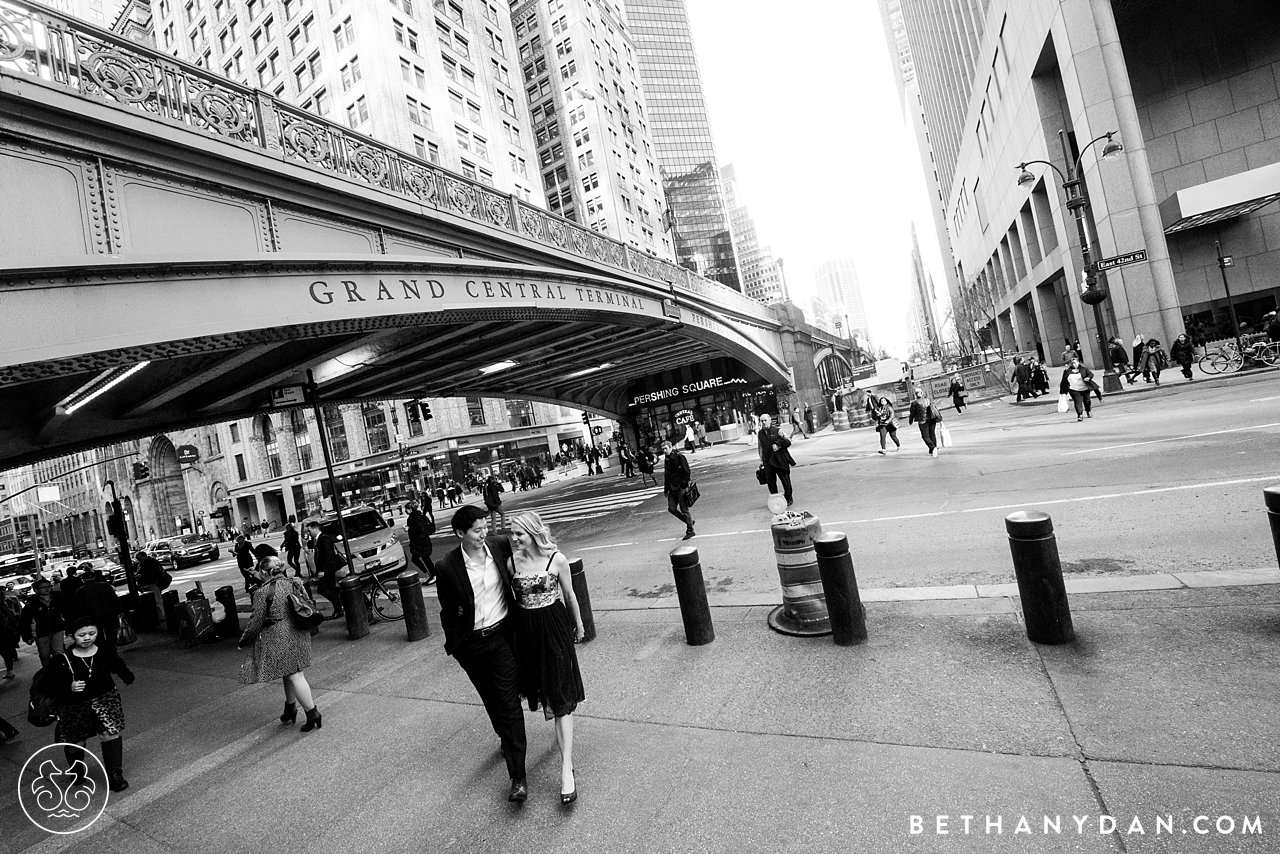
944,436
1064,402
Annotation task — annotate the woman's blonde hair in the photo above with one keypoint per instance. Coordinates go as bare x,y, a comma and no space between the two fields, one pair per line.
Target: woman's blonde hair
273,566
531,523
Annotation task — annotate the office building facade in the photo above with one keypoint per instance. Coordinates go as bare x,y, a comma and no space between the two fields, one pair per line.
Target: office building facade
760,274
591,129
837,287
698,216
1191,91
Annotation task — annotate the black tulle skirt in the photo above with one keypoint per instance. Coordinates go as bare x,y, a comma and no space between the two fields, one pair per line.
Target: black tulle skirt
548,675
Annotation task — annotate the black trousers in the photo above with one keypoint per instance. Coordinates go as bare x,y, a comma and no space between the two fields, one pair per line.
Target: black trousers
423,563
677,507
328,588
776,474
292,557
490,664
929,432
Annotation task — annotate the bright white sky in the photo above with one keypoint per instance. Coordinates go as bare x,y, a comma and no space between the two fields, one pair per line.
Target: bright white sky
803,103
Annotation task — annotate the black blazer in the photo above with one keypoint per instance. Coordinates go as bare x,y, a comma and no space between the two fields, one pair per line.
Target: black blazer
458,600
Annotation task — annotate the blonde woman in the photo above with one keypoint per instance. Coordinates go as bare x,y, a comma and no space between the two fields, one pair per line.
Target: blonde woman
280,649
548,623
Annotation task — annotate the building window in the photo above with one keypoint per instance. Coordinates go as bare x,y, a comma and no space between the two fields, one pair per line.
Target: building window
350,73
475,410
215,447
500,71
344,35
235,434
358,113
495,42
271,445
301,438
519,413
375,428
512,132
419,114
505,102
241,473
337,430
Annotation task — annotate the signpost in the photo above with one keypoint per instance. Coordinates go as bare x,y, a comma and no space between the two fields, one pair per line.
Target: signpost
188,454
1121,260
288,395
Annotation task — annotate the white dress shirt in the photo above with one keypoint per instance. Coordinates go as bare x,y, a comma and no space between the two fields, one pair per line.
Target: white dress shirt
486,586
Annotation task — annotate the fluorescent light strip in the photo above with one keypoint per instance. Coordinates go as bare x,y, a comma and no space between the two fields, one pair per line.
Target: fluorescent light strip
497,366
107,382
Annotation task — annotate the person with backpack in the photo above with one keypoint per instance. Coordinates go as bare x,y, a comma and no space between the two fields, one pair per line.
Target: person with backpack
89,703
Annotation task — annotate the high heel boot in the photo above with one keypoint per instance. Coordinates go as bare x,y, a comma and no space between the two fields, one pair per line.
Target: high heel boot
113,758
76,754
290,715
313,720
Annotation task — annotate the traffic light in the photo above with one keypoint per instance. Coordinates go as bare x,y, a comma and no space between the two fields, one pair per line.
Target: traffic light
426,410
586,419
141,471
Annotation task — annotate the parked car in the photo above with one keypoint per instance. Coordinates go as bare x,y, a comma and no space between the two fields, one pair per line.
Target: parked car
183,551
374,545
114,571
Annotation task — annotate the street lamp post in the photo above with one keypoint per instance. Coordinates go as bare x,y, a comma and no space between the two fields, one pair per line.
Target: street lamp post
1224,261
1094,292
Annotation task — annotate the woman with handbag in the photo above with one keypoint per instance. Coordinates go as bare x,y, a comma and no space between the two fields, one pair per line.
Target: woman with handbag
89,703
281,648
923,412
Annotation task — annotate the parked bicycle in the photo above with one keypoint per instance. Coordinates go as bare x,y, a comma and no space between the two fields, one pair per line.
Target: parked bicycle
380,598
1227,359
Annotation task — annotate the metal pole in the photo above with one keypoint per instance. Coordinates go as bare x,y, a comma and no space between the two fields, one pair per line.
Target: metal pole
1077,201
314,393
1235,322
126,559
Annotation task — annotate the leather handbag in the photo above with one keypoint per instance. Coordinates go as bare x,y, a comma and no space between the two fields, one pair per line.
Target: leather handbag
761,476
692,494
303,613
125,635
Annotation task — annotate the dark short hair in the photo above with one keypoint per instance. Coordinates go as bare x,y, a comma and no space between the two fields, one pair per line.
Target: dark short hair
466,516
314,523
262,550
84,622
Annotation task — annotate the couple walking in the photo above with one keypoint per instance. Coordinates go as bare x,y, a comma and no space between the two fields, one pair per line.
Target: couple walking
511,619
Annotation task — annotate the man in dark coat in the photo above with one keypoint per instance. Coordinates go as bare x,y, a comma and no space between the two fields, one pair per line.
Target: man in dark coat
67,589
292,545
777,460
493,499
476,601
245,560
675,483
420,529
328,562
97,599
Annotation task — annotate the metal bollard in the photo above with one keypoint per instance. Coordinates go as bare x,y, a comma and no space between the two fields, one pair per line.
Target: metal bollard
231,622
1272,496
583,595
1039,572
840,584
415,607
352,598
691,590
170,600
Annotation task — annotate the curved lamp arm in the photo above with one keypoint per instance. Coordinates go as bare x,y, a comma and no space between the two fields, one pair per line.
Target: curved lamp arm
1026,177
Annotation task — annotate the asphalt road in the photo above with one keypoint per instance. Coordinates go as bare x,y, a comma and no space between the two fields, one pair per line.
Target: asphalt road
1159,480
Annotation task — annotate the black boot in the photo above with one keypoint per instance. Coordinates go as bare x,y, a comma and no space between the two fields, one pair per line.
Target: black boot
290,713
113,758
74,755
313,720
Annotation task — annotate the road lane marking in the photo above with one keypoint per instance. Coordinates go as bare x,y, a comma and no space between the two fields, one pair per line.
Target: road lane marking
1019,505
1260,399
1172,439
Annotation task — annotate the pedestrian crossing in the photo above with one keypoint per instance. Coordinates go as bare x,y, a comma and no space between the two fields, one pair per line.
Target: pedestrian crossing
594,507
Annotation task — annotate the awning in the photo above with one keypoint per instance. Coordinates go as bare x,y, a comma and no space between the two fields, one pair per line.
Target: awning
1225,198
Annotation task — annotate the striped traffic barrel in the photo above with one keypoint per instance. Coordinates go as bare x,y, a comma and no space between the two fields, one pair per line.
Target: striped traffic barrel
804,606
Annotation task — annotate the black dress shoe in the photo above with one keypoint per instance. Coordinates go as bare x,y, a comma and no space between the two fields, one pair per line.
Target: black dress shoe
688,535
519,792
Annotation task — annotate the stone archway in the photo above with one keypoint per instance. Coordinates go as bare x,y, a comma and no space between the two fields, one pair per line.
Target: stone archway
168,490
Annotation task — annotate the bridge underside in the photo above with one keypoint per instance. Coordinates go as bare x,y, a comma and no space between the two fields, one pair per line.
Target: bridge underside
215,338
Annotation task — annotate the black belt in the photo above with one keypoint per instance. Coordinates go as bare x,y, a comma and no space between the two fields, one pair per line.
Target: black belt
488,630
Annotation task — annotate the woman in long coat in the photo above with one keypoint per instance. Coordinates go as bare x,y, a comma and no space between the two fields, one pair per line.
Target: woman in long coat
280,649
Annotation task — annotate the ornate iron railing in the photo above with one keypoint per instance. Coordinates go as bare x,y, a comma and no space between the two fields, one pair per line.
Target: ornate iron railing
40,42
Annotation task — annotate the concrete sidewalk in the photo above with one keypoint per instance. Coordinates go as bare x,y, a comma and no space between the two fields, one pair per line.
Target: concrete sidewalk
1164,709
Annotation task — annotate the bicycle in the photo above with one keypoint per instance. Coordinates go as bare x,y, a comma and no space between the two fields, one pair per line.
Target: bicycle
381,599
1228,359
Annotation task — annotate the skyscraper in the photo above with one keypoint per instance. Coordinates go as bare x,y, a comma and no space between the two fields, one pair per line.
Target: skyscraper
761,274
699,216
590,121
924,319
838,289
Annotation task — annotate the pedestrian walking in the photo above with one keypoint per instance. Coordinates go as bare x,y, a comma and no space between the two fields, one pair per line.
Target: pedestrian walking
1154,360
1069,353
676,477
1039,378
1021,376
1183,353
10,634
67,588
97,600
1077,381
548,623
244,560
924,413
281,650
627,460
292,545
89,703
775,456
1138,343
690,439
328,561
957,393
797,423
808,419
493,500
1120,359
476,597
886,421
43,621
645,461
420,527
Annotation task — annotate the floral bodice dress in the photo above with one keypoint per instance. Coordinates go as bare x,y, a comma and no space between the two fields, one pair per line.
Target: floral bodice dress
548,674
